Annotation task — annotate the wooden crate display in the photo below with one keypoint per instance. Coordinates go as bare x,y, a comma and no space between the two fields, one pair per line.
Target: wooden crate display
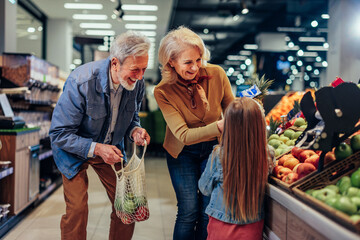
330,175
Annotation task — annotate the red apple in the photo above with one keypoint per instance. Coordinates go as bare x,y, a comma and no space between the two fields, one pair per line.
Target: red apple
314,160
295,168
276,170
295,151
306,154
290,178
304,169
291,163
283,172
276,163
284,158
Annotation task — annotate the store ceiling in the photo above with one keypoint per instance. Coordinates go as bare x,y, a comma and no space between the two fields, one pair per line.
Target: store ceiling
221,23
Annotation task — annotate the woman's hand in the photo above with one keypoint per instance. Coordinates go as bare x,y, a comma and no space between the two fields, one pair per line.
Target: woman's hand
220,125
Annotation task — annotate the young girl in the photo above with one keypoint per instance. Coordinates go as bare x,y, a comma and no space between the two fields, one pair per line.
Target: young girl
236,174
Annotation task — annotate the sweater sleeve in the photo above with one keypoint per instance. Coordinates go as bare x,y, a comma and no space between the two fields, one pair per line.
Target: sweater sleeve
177,125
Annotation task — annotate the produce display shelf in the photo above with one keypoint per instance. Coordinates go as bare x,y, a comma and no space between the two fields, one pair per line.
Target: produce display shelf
6,172
322,224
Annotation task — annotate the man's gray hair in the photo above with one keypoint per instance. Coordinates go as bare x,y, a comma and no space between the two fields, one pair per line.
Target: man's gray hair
130,43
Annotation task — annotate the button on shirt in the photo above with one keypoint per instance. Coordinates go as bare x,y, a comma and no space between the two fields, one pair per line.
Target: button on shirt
115,98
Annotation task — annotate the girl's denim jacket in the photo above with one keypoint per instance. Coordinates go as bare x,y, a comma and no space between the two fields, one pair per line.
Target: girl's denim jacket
211,184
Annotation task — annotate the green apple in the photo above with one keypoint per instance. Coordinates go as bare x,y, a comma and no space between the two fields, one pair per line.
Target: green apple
352,192
345,205
324,194
355,142
288,133
299,121
290,142
273,136
355,217
313,193
333,187
274,143
129,206
309,191
277,152
331,201
355,178
284,139
356,201
343,151
282,146
117,204
344,184
296,135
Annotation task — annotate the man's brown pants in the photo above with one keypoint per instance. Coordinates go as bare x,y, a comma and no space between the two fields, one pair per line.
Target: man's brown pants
74,221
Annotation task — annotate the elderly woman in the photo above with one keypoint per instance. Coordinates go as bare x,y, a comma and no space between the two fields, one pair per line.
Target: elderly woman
192,96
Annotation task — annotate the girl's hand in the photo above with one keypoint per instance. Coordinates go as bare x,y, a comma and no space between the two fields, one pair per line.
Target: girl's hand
220,125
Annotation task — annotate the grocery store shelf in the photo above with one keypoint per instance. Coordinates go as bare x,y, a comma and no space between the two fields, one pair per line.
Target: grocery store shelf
50,189
322,224
6,172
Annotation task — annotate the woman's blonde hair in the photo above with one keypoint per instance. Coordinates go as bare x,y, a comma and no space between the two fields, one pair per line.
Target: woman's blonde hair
173,44
244,159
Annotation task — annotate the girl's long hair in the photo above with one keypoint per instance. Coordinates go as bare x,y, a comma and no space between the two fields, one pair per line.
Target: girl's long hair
244,159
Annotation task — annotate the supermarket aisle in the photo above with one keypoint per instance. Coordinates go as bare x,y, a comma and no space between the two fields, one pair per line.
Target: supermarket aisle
44,221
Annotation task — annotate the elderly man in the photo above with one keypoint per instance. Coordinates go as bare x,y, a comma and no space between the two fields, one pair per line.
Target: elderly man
98,107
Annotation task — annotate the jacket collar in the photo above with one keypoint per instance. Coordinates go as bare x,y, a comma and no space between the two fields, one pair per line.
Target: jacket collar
102,85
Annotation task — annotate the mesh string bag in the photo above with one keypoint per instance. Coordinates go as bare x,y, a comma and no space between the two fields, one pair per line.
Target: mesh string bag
130,202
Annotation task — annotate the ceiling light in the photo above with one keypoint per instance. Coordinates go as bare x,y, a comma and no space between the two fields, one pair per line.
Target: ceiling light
77,61
318,59
245,53
308,68
295,71
248,61
242,66
325,63
316,48
141,26
306,78
299,63
103,48
316,72
89,16
251,46
310,54
135,7
100,32
290,29
300,52
314,23
140,18
311,39
291,44
292,77
326,45
288,81
40,28
31,29
148,33
245,11
325,16
312,84
93,6
96,25
287,38
236,17
113,16
206,31
290,58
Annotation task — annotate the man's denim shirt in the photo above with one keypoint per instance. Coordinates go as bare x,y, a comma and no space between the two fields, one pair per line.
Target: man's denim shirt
82,115
211,184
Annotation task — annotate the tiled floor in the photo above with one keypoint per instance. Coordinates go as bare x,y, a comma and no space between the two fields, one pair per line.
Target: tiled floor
44,221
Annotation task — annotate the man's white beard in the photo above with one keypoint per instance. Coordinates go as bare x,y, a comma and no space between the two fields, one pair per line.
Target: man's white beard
126,85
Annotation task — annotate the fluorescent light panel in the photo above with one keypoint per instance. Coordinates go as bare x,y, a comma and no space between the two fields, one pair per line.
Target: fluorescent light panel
251,46
135,7
100,32
316,48
290,29
89,17
311,39
148,33
310,54
139,18
93,6
96,25
140,26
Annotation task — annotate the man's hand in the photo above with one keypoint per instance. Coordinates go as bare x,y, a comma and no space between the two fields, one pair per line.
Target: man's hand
109,153
139,135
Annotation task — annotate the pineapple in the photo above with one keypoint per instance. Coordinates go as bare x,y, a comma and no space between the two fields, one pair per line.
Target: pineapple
262,84
274,124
